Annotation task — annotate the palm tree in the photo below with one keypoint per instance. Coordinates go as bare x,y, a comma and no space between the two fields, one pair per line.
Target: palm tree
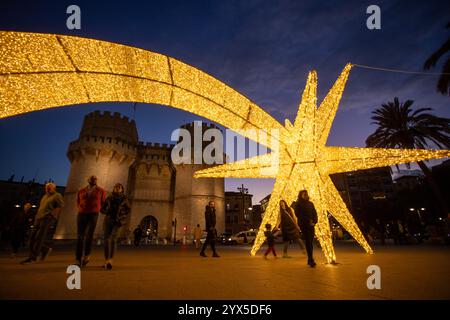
443,85
399,126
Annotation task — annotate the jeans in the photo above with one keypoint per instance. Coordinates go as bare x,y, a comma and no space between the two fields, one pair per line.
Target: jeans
309,238
86,223
111,231
211,240
42,237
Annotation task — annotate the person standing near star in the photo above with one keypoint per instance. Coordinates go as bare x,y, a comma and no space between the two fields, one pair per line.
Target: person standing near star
289,228
307,217
210,219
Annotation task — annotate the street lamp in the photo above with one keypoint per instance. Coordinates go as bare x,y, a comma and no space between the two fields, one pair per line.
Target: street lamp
418,211
243,192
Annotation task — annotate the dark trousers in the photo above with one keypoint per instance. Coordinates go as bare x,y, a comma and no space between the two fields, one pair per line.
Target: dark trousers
111,231
86,223
271,249
42,237
308,233
17,238
211,240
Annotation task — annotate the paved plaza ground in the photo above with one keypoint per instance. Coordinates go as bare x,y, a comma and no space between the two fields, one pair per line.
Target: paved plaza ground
168,272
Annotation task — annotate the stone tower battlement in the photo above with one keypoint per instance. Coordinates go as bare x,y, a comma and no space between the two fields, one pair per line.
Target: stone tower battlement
111,125
95,145
154,151
205,126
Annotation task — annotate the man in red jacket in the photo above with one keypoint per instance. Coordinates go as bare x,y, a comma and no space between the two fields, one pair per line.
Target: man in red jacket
89,202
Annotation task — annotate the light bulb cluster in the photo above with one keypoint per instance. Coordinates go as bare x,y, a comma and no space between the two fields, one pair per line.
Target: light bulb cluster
41,71
305,162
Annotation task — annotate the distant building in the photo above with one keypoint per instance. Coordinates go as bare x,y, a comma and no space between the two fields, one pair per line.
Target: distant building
407,172
264,203
366,192
238,211
256,216
407,182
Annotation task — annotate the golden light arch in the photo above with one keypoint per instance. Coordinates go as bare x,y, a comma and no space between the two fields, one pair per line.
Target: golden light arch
41,71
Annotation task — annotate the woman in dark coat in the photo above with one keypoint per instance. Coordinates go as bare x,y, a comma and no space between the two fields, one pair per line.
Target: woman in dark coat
116,209
289,228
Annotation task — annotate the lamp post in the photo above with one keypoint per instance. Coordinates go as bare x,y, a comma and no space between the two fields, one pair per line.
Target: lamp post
243,192
418,212
174,224
250,214
421,222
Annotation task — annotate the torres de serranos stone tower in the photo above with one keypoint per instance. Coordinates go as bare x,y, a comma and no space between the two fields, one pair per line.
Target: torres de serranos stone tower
159,190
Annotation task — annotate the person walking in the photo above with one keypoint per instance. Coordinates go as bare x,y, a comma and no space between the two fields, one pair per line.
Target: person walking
197,233
116,209
18,228
45,221
270,237
289,228
89,201
307,217
210,219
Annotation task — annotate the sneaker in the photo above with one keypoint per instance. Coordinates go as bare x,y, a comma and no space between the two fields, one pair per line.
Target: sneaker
203,254
215,255
265,257
109,266
28,261
45,254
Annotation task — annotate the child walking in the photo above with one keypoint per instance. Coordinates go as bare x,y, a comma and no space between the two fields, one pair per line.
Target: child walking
270,241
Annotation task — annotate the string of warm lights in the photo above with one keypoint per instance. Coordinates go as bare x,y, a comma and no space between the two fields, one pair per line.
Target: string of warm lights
306,163
41,71
400,70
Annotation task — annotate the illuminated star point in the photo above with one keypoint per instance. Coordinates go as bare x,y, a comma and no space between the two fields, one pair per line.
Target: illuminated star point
303,161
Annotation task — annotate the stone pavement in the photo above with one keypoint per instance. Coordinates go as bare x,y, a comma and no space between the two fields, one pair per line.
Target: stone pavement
168,272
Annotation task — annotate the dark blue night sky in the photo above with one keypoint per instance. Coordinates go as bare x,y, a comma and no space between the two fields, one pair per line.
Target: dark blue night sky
264,49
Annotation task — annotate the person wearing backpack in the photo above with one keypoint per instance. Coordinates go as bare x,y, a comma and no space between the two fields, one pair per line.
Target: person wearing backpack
116,209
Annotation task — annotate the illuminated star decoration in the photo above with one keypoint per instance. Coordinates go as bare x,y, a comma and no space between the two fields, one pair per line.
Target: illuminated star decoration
305,162
42,71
